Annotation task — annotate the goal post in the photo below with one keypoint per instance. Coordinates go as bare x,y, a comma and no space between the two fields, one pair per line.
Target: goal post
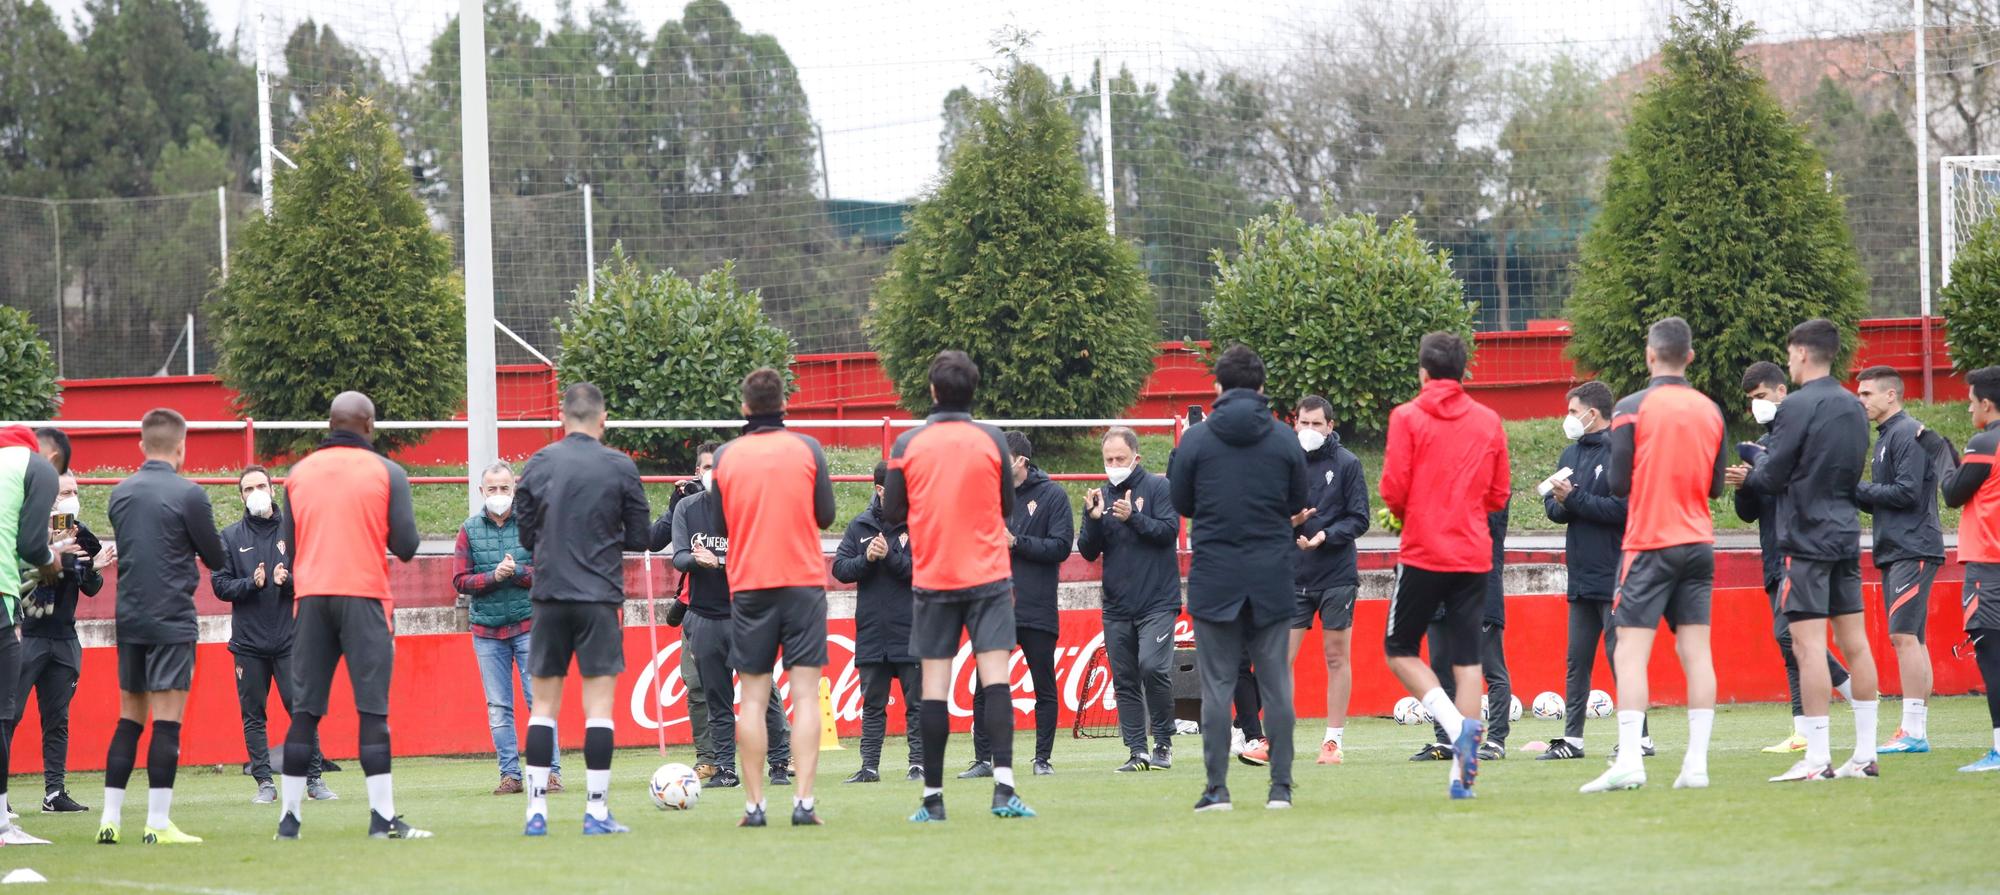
1968,194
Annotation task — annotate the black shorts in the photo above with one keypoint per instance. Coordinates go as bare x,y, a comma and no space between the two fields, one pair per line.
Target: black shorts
1675,583
1334,606
988,622
10,673
1419,594
147,667
763,621
593,633
1815,589
1981,600
1906,595
330,628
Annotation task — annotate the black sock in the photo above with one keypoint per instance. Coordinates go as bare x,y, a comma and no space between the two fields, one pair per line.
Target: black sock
123,755
937,727
374,745
541,747
163,755
1986,651
299,742
999,724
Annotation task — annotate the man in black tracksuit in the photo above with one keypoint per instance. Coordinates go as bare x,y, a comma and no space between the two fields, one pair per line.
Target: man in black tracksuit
1492,658
1816,456
875,557
1326,579
1902,493
1131,523
1039,534
51,657
701,553
1595,529
1764,384
255,580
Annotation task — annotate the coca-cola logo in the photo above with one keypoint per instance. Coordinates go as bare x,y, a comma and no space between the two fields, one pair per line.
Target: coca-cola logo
1073,681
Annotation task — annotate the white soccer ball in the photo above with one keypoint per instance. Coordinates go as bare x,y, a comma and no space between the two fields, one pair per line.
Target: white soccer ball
1599,705
1410,711
675,787
1549,706
1513,708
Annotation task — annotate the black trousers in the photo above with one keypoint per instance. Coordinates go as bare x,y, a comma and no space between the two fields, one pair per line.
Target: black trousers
1249,707
1039,649
1589,623
50,668
254,677
1493,662
875,680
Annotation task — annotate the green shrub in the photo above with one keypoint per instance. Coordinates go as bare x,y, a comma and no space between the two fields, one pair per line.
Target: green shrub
662,347
1336,309
28,389
1971,304
345,286
1008,260
1717,210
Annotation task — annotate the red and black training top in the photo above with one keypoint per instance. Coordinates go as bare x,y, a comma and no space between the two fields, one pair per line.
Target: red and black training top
1668,454
1977,489
948,478
776,495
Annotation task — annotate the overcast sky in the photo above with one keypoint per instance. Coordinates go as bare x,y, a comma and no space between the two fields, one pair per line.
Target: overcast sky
875,71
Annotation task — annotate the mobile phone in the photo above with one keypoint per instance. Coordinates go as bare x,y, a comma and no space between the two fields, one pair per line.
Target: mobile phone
1749,451
1195,414
61,521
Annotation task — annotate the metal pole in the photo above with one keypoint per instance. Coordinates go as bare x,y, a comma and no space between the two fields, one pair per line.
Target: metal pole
825,174
589,247
266,173
1104,121
55,212
190,348
1923,192
222,225
482,436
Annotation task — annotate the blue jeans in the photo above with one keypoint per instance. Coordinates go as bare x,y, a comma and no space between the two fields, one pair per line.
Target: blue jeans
499,662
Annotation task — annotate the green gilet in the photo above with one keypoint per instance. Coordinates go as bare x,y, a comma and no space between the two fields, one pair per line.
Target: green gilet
490,543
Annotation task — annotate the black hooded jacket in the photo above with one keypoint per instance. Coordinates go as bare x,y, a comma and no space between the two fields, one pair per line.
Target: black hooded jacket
1142,569
260,618
1239,477
1338,493
1595,519
1041,528
883,601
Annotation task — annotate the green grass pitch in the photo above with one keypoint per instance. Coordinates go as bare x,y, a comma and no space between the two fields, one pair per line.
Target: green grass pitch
1379,823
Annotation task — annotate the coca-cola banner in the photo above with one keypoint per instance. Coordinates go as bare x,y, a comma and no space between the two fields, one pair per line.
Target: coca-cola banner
437,705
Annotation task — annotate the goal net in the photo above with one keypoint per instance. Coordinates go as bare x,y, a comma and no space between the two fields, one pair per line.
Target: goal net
1969,195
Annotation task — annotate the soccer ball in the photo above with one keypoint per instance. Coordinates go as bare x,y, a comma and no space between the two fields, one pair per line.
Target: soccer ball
1599,705
1548,706
1410,711
1513,708
675,787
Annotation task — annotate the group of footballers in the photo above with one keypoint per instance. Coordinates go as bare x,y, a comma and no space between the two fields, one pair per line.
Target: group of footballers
949,484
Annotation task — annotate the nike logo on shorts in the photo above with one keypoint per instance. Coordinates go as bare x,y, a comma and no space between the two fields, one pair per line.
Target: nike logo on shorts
245,549
1159,638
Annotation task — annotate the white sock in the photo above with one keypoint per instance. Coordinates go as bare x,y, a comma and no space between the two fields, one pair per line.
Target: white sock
1334,733
1799,726
1701,724
538,778
114,801
1817,750
1846,689
293,791
805,802
159,803
1996,748
1575,741
381,795
1916,719
939,790
4,822
1003,776
1631,727
749,806
1864,728
597,784
1444,710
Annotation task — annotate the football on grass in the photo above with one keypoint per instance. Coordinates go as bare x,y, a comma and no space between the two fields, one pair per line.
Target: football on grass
675,787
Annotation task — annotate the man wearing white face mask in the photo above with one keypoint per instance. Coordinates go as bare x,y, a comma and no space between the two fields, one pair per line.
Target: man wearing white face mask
1326,579
1131,523
1594,520
256,582
492,568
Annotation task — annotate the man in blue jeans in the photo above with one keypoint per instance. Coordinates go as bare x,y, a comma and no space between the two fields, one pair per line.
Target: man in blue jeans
492,569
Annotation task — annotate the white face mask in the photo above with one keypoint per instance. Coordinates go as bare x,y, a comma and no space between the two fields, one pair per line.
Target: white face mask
707,479
1117,474
258,503
1311,440
499,504
68,506
1573,428
1763,411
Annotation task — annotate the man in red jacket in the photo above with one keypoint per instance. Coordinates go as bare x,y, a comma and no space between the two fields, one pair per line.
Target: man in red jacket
1444,471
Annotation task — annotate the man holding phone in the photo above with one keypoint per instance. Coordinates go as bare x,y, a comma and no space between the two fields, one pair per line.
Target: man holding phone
51,657
1595,525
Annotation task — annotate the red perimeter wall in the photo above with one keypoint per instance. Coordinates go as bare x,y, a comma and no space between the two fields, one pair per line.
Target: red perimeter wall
1522,375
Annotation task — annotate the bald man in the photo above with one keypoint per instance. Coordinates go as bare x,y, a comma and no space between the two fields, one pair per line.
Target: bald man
349,509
